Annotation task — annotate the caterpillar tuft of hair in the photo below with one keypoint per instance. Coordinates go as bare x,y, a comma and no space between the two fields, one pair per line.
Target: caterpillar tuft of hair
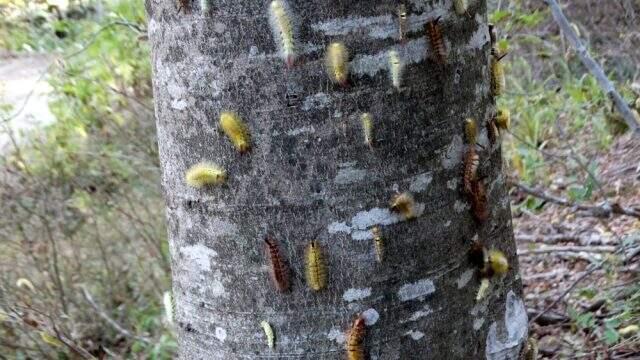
355,340
367,129
282,27
337,63
396,69
236,130
205,174
315,267
277,266
434,33
403,204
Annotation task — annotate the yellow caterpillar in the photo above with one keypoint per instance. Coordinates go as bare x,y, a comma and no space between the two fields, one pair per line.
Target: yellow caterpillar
482,290
337,62
169,306
498,81
404,205
236,130
283,31
315,267
51,340
367,128
25,283
461,6
378,243
471,130
268,331
498,262
396,69
205,174
503,119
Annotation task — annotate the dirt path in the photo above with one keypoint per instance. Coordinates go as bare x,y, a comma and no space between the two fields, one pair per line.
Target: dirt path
19,77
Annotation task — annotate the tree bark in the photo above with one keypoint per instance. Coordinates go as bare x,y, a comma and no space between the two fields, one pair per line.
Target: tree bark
310,176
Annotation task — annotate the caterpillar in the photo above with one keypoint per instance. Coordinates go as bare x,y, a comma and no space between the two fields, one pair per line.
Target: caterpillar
205,6
478,197
184,5
498,263
283,30
482,290
432,28
167,301
378,243
471,130
205,174
498,80
236,131
461,6
25,283
503,119
367,128
355,340
489,262
268,331
531,349
493,35
278,269
337,62
396,69
470,163
49,339
315,267
404,205
492,132
402,22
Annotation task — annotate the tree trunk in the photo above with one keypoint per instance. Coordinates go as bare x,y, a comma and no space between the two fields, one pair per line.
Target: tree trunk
310,176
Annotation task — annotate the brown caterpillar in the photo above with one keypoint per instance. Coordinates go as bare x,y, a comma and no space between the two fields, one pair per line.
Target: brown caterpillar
478,197
184,5
432,28
402,22
471,162
492,132
355,340
278,269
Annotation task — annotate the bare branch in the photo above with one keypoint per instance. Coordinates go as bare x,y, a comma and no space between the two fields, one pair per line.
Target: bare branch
593,67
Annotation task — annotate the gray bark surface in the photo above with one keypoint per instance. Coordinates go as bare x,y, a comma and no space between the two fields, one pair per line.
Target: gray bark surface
309,176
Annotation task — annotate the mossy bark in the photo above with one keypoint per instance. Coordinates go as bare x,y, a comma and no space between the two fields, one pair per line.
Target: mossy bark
309,175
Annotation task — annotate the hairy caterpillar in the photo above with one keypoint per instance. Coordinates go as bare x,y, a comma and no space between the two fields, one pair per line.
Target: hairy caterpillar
490,262
236,130
503,119
205,174
167,301
404,205
367,128
482,290
531,349
378,243
396,69
471,130
184,5
402,22
337,62
498,80
278,268
49,339
205,6
432,28
25,283
315,267
355,340
497,262
461,6
283,30
492,132
478,197
470,163
268,331
493,35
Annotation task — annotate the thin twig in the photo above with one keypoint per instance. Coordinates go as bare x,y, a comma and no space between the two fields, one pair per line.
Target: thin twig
111,322
553,239
593,67
565,249
601,211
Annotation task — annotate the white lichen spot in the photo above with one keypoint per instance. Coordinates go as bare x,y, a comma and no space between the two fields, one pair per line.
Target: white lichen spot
464,279
221,334
222,226
370,316
350,175
316,101
477,323
354,294
361,235
507,344
479,38
199,255
416,290
302,130
452,155
448,223
215,286
419,183
415,334
460,206
414,51
336,227
337,335
365,219
418,314
178,104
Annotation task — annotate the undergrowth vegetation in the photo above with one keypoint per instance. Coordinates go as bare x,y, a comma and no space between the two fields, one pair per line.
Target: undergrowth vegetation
85,262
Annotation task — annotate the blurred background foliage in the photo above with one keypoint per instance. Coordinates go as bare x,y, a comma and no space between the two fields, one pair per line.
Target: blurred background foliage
84,261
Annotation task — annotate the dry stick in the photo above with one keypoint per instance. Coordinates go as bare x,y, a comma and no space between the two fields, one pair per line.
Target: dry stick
604,210
593,67
555,239
578,249
111,322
